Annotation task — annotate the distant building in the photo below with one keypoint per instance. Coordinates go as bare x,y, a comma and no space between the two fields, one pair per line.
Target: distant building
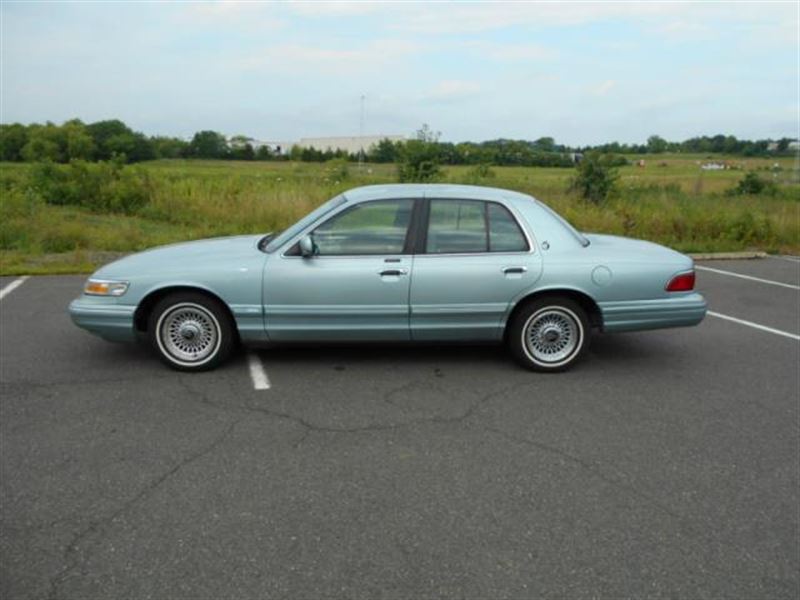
792,146
351,144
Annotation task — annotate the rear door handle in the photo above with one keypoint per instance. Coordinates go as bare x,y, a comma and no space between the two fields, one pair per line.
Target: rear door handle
509,270
393,272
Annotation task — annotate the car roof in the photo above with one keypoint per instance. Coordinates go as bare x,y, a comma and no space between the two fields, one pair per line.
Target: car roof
430,190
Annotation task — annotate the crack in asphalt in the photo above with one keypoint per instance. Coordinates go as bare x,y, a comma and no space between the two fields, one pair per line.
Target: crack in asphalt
25,385
388,397
70,553
310,426
695,534
592,468
471,410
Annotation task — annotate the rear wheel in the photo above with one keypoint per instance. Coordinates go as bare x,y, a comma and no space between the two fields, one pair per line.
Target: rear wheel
191,332
549,334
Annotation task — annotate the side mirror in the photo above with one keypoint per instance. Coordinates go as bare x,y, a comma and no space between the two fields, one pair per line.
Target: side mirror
307,246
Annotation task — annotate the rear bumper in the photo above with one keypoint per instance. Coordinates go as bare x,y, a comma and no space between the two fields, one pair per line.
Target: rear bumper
679,311
112,322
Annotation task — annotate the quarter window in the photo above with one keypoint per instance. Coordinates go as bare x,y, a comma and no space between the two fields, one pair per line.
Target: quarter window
378,227
472,226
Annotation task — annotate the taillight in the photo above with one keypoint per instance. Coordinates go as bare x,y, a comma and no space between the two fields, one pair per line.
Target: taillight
681,283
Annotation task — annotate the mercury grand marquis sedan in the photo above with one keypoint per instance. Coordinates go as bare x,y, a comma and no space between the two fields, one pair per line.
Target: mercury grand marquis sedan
405,263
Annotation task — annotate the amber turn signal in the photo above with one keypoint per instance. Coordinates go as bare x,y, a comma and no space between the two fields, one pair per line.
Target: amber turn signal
101,287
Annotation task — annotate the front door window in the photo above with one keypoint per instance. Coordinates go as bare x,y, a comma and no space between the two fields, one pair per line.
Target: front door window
373,228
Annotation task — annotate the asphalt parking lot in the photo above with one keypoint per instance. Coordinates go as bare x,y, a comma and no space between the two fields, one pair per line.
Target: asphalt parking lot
665,465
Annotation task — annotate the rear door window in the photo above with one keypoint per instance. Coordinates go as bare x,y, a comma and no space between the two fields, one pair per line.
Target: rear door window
472,226
457,226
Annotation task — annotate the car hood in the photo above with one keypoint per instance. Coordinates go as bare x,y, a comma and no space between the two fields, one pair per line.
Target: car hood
183,256
630,250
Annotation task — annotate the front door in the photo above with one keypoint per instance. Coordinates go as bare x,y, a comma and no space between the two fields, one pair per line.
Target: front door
475,260
354,288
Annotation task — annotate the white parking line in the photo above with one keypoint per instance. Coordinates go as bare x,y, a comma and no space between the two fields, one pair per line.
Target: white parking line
793,259
751,278
257,373
12,286
754,325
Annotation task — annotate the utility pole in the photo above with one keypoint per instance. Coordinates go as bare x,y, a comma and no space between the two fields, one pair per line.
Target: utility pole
361,135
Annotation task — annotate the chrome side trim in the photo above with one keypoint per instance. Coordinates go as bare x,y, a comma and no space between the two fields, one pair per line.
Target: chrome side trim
325,310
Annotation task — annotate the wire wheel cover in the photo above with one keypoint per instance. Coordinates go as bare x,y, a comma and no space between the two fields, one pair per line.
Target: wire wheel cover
552,335
189,333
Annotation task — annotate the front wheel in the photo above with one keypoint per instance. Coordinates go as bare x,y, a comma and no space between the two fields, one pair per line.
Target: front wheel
549,334
191,332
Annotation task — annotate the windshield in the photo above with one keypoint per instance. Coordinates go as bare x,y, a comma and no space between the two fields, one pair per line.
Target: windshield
578,235
314,215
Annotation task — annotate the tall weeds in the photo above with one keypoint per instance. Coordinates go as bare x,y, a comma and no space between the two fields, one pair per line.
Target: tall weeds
88,208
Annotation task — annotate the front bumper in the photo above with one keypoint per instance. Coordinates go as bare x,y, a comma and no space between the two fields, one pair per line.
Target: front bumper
633,315
110,321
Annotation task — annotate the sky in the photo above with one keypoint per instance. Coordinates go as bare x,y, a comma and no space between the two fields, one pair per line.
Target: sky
581,72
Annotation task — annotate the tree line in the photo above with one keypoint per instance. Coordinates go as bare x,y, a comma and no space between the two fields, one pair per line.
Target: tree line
113,139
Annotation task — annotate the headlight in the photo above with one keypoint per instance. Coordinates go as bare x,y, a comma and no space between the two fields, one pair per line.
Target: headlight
104,287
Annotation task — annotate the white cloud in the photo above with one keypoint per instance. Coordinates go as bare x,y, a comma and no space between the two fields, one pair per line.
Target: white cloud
478,17
378,54
248,16
289,70
513,51
669,19
331,8
678,21
681,30
602,89
453,89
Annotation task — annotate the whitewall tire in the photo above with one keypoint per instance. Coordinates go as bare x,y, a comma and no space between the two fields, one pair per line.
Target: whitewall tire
549,334
191,331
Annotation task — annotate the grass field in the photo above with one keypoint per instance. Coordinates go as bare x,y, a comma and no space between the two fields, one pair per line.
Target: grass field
669,201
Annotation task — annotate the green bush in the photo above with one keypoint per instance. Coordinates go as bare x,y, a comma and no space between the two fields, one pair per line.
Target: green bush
100,187
18,210
65,237
336,169
479,174
482,171
420,158
419,171
752,184
596,177
751,229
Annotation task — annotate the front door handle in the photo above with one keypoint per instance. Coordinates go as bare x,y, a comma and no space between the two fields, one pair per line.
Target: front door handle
519,270
393,272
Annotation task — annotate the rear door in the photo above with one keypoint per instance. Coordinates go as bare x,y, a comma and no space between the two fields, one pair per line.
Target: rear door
474,258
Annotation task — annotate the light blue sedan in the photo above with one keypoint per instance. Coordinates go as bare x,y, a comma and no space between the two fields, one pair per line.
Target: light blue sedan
404,263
